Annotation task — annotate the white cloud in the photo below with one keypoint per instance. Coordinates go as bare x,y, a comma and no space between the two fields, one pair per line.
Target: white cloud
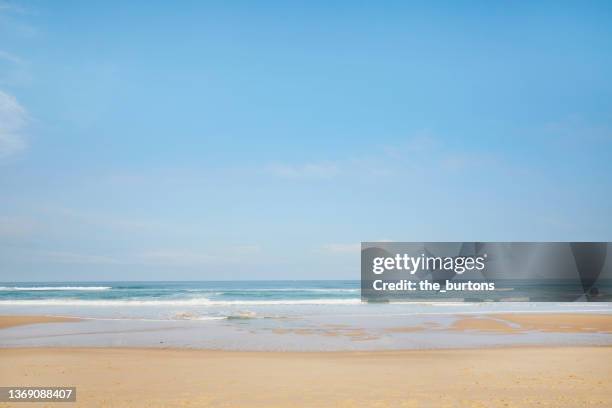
6,6
309,170
246,249
342,248
75,258
7,56
415,155
174,258
13,121
162,257
111,222
421,142
16,226
576,129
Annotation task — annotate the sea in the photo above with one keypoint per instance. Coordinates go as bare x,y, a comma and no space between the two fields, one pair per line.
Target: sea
260,315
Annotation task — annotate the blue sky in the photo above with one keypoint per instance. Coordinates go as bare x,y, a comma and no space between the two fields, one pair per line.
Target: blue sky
253,140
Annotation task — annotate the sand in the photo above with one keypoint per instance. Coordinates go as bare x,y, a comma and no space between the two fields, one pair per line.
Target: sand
511,377
11,321
500,377
549,322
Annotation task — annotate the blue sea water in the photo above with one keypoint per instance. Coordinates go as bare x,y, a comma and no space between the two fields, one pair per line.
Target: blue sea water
172,292
258,315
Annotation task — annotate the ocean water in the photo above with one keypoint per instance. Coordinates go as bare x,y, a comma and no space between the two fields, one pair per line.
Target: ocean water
258,315
206,298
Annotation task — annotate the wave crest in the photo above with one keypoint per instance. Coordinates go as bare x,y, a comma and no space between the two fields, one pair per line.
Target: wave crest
54,288
175,302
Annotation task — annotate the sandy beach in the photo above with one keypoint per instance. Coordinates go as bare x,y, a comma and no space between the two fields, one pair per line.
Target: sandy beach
512,377
493,377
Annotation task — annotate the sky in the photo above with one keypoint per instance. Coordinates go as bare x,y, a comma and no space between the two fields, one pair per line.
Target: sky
265,140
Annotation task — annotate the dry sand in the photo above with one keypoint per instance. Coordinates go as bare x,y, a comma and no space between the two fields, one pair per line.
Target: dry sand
510,377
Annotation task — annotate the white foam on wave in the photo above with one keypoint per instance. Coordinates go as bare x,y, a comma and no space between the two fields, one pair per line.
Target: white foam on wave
41,288
175,302
144,319
257,290
333,290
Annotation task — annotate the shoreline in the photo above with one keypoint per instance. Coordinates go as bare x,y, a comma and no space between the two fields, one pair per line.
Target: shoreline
309,352
450,332
519,321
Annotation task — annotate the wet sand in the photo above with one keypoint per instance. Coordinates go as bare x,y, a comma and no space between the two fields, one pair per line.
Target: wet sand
12,321
550,323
